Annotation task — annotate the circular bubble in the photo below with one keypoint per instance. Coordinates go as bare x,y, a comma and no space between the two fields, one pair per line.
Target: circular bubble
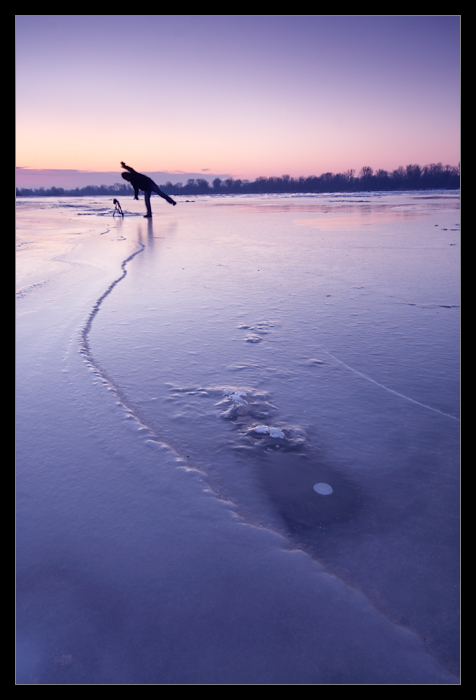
323,489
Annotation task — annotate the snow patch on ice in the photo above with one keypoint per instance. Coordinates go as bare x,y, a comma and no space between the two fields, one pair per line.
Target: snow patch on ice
270,437
267,430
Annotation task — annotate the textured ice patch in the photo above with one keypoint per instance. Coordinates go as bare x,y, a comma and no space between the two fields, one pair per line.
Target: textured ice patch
244,405
315,361
240,403
244,402
260,328
236,403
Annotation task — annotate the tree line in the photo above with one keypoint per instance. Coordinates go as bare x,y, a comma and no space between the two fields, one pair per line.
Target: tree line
412,177
90,190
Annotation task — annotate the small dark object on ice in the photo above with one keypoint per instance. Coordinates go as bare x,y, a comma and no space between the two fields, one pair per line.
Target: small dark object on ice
117,208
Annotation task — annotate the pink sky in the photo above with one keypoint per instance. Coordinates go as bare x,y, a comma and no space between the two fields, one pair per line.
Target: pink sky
244,96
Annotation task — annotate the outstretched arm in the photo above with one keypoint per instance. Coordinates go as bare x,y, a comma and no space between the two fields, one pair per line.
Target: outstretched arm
123,165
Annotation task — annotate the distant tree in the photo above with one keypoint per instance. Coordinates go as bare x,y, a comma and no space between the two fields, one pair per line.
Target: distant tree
203,185
327,178
381,180
366,173
349,175
412,176
434,169
286,183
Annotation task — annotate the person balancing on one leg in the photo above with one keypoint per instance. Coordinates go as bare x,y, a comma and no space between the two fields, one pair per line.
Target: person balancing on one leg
146,184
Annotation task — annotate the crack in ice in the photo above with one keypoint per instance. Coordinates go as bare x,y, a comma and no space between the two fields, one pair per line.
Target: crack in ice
391,391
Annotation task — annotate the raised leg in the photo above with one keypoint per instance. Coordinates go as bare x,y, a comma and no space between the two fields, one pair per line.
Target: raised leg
163,195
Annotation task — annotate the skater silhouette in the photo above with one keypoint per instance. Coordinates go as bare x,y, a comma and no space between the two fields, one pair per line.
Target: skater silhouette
117,208
144,183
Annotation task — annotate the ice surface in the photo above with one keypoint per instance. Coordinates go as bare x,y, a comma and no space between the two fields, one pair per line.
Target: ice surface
169,529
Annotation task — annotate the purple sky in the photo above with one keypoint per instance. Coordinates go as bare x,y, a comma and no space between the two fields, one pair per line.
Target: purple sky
241,96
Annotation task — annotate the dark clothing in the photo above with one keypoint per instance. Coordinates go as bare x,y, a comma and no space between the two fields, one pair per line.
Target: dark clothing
139,182
144,183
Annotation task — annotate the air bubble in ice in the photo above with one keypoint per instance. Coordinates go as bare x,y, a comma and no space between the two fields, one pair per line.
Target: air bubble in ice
323,489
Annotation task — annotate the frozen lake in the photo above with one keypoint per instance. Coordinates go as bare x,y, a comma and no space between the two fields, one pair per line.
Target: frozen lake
238,440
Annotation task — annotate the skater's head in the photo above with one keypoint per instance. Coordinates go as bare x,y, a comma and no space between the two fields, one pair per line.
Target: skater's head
127,176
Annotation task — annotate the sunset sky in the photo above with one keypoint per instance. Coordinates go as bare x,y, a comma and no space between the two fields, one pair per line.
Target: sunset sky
240,96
